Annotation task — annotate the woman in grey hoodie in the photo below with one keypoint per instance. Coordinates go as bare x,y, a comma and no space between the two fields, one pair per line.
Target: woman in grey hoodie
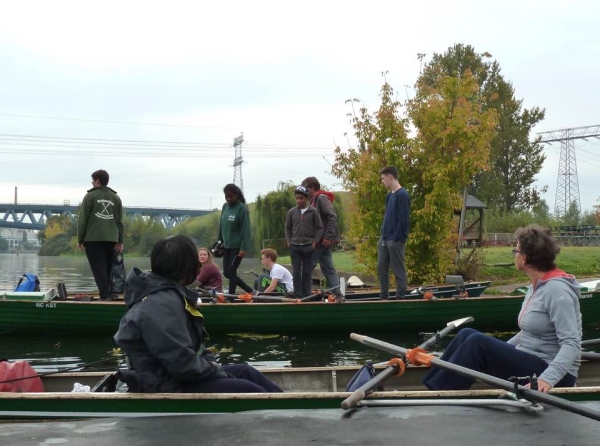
549,341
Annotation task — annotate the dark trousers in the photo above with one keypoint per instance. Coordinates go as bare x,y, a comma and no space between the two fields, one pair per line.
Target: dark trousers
324,257
486,354
231,262
391,253
301,256
101,255
263,282
246,380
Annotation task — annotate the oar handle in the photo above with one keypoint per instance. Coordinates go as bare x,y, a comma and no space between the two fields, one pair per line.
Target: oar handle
590,342
590,356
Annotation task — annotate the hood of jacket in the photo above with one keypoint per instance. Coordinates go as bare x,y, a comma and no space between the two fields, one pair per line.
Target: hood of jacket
102,187
328,194
558,274
141,283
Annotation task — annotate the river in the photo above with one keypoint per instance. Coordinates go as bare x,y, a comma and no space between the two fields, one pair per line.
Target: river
51,352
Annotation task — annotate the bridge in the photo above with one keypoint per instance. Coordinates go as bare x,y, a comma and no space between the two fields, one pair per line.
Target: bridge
35,216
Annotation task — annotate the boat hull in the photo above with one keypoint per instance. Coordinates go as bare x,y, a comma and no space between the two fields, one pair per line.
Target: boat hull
90,318
305,388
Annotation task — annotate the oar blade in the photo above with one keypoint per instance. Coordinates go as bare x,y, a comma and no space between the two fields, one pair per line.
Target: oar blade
343,286
458,322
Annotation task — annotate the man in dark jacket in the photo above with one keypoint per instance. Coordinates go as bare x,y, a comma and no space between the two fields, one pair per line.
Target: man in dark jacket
323,202
303,229
100,229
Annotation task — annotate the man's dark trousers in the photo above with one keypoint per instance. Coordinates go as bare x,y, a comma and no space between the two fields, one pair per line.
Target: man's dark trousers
101,256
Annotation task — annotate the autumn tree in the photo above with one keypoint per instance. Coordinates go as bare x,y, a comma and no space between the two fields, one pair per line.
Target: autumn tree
453,133
515,159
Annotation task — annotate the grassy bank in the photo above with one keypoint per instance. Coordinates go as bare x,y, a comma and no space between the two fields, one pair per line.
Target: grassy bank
497,264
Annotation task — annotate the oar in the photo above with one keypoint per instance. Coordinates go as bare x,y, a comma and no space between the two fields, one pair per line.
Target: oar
248,297
590,356
318,293
397,368
590,342
419,357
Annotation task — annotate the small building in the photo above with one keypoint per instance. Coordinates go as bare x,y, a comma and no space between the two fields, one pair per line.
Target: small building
16,238
472,232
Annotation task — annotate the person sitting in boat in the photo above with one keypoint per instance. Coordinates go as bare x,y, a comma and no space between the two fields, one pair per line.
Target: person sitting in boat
280,280
549,341
209,276
162,331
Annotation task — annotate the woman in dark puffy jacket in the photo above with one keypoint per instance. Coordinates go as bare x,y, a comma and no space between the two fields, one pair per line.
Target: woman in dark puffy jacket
162,331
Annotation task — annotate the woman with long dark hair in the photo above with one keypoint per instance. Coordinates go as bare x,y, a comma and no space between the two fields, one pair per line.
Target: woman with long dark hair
234,232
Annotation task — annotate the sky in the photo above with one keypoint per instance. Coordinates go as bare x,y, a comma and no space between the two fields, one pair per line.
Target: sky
155,92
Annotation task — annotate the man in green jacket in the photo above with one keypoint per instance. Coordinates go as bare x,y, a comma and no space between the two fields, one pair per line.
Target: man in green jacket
100,229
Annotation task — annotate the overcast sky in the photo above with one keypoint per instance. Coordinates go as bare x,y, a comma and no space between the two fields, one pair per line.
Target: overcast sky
156,94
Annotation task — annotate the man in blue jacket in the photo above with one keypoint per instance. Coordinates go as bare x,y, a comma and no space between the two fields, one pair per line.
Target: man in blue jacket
394,232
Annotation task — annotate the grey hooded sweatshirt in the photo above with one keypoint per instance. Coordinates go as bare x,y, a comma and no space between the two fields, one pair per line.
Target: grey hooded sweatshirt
550,323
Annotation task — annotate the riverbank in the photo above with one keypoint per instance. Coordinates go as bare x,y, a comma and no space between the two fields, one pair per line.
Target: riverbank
496,266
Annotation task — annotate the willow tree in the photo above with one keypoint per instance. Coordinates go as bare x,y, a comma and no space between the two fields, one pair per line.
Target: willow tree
271,212
450,145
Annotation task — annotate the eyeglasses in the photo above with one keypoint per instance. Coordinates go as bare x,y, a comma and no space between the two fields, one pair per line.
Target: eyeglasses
515,251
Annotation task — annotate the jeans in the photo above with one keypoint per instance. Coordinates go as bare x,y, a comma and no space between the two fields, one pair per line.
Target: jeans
323,256
301,256
489,355
391,253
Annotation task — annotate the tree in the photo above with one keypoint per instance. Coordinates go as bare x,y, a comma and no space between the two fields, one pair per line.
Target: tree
573,215
514,159
3,245
271,213
451,145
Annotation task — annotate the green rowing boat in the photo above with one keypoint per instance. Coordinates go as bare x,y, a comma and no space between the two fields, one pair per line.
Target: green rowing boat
23,316
305,388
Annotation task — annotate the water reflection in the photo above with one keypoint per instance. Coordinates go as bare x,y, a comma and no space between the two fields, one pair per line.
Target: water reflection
75,272
59,353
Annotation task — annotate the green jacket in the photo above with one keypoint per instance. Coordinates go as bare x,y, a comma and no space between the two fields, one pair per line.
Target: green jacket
234,230
100,217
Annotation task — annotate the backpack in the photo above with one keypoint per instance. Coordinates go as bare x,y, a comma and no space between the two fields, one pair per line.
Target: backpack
28,282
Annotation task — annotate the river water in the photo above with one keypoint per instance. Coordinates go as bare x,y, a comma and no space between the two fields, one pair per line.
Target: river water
52,352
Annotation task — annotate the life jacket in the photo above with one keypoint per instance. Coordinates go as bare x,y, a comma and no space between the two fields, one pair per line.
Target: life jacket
19,369
28,282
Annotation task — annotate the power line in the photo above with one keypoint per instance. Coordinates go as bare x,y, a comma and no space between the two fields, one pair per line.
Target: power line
106,121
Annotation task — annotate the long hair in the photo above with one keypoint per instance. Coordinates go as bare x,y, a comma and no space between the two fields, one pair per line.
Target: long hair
210,259
236,191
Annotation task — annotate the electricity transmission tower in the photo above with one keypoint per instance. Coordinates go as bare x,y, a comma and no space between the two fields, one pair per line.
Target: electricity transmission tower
238,180
567,183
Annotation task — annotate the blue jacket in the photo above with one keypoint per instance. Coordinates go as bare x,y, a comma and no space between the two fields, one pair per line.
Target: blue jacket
396,222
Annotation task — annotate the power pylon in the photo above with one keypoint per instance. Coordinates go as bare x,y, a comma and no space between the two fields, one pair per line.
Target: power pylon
238,161
567,183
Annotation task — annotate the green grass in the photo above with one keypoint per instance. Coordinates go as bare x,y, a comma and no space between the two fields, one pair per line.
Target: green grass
581,261
498,263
